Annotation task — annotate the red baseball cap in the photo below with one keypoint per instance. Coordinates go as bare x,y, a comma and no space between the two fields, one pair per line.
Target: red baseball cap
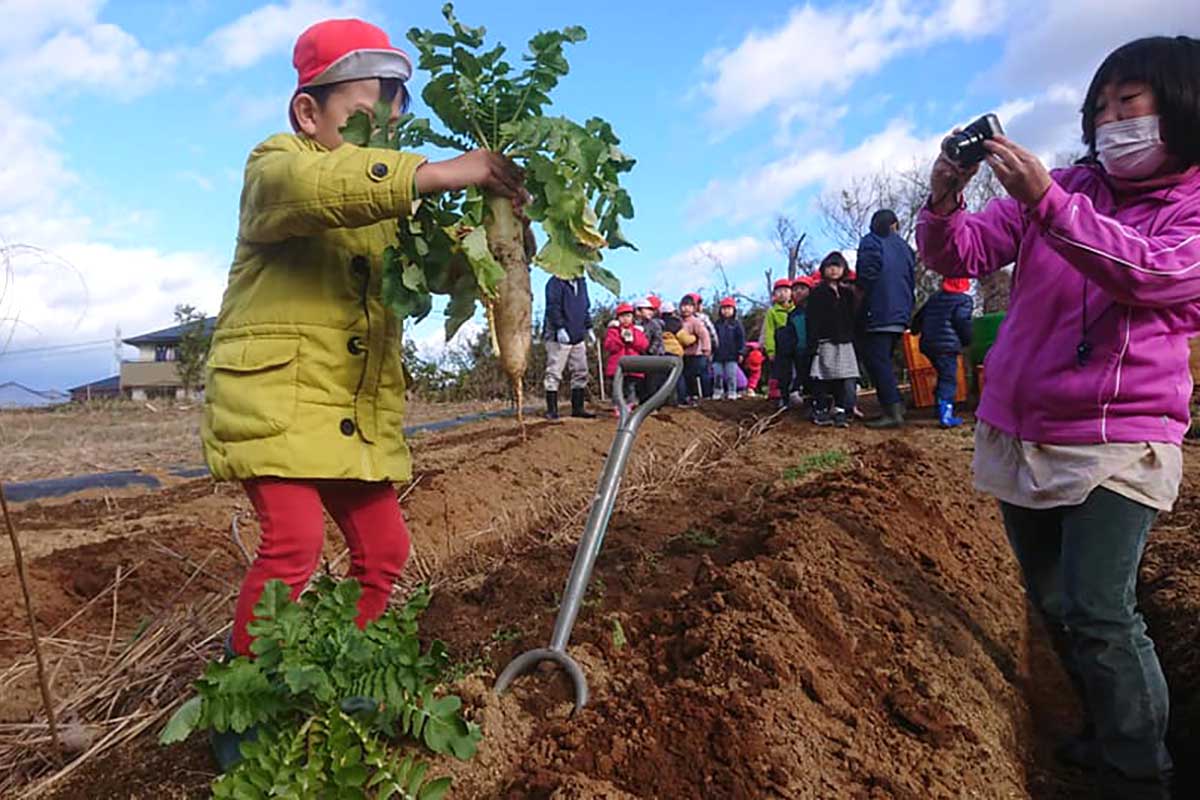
782,283
624,308
956,285
655,301
728,301
339,50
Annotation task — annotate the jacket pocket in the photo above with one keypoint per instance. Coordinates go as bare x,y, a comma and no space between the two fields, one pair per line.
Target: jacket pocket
251,389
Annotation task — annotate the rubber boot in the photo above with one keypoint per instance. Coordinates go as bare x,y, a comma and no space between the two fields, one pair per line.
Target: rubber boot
227,745
552,405
946,418
893,417
577,407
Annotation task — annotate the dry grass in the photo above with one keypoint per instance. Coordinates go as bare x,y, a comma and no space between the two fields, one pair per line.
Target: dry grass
106,436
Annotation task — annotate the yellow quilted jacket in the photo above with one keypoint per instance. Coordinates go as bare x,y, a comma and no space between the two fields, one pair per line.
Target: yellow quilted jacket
304,377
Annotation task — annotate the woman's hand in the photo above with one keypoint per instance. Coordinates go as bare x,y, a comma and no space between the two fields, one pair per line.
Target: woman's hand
946,182
1020,172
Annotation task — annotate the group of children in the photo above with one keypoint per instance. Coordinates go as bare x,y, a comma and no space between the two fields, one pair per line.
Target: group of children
807,351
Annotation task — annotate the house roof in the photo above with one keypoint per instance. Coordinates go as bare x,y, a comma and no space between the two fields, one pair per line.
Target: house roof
111,384
170,335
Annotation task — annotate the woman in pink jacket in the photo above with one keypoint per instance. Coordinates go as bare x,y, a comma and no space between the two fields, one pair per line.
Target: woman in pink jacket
1086,401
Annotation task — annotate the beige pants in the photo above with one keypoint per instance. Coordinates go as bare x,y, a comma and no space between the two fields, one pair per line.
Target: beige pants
559,356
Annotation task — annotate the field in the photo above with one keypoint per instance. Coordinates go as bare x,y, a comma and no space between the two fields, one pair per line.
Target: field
778,611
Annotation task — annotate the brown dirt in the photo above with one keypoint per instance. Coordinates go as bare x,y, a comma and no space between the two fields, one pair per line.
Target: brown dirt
854,633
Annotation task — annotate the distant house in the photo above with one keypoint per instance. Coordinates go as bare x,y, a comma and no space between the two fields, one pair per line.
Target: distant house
102,389
153,373
16,395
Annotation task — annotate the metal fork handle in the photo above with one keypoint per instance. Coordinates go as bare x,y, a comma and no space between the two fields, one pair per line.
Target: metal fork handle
671,364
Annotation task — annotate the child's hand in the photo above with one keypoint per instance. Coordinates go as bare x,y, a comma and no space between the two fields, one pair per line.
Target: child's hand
491,172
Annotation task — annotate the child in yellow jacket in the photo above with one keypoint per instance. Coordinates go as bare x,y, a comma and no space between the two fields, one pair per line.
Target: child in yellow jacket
304,391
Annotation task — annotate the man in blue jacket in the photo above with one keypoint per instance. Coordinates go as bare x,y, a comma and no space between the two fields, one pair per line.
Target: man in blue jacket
885,267
568,321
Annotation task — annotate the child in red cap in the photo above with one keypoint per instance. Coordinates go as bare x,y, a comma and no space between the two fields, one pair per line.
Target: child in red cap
944,325
730,341
304,391
623,338
776,318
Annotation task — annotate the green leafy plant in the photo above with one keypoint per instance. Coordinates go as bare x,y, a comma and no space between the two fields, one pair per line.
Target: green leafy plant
820,462
701,538
325,699
472,246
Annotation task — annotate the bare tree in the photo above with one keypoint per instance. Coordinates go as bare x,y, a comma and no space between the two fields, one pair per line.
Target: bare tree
791,244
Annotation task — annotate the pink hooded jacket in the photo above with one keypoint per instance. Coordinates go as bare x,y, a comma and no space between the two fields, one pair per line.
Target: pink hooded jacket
1133,251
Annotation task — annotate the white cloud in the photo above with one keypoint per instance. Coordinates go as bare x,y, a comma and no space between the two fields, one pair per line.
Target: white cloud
768,189
821,51
1066,40
696,267
53,45
271,29
429,336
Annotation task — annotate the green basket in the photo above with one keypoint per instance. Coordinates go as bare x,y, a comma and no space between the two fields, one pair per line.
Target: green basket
983,335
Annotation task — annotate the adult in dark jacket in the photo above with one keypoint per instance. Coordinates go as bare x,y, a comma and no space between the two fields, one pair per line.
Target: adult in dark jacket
944,324
886,279
568,321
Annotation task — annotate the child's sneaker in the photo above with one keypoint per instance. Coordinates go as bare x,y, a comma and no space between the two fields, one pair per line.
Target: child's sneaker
732,396
840,419
718,394
795,399
822,417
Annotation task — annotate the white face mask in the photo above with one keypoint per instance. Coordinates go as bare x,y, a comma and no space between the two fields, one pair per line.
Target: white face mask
1131,148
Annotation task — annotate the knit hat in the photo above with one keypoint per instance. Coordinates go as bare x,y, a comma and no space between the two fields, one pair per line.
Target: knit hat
339,50
956,285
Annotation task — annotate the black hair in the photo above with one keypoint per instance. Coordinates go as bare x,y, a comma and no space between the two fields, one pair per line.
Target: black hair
882,221
1171,66
834,259
388,89
688,300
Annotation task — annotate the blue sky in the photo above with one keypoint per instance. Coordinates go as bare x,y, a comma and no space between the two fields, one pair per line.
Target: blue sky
127,124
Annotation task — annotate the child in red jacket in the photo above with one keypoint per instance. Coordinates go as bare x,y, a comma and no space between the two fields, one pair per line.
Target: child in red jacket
753,363
623,338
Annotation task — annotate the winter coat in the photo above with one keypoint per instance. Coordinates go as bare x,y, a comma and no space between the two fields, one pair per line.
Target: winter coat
567,307
713,337
792,338
701,344
944,323
775,319
754,367
1132,249
830,315
303,378
616,347
886,277
730,341
672,327
653,328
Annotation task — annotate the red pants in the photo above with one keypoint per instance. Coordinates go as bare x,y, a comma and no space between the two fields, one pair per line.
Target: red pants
293,534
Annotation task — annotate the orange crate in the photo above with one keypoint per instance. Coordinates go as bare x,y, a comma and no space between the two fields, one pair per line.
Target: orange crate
924,376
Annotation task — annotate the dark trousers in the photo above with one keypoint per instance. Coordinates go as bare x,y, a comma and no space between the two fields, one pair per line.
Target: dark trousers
946,365
690,382
842,393
1080,567
706,377
877,351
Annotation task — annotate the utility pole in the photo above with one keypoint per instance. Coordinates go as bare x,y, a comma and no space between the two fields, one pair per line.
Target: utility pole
117,348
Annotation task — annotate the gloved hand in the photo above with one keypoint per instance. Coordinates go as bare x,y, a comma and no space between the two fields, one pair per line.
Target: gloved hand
627,334
562,336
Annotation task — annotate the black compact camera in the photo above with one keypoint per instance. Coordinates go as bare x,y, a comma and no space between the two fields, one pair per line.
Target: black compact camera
965,148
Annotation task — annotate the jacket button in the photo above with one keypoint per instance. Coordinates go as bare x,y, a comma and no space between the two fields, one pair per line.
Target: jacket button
359,265
355,346
379,170
347,427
